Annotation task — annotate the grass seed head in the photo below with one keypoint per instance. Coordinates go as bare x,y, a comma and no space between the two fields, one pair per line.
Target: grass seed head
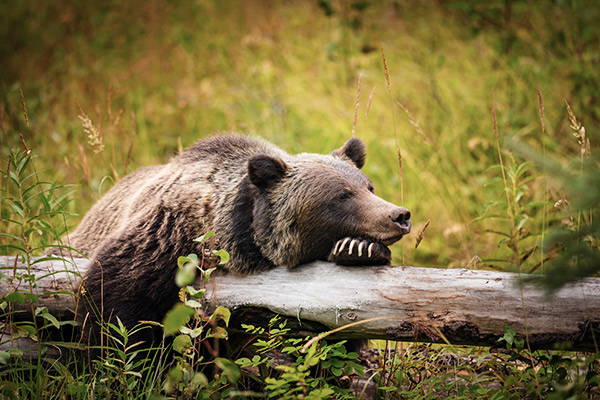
578,129
420,236
27,149
24,108
400,161
93,133
387,73
541,101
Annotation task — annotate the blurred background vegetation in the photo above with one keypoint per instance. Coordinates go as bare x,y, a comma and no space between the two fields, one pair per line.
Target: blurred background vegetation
149,78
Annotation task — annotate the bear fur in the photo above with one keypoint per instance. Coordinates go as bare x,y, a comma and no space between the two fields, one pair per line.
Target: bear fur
267,208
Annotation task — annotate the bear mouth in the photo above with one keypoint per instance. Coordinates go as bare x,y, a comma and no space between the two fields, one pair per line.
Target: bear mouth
389,241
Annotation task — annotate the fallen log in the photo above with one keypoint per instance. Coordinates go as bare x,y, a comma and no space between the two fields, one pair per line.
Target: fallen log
458,306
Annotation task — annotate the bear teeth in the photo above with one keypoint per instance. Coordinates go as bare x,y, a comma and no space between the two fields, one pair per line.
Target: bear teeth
360,248
370,250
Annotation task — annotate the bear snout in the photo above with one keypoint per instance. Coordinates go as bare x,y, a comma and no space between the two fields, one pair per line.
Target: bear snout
401,217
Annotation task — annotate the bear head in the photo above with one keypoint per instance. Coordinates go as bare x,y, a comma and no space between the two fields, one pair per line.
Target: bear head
304,205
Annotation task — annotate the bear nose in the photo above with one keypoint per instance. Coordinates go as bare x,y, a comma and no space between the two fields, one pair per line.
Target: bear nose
400,215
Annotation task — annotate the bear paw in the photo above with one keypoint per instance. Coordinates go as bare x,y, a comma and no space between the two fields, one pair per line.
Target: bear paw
359,251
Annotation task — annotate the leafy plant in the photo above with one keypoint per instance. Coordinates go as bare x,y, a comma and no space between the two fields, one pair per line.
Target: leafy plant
512,213
126,369
194,329
575,242
288,372
34,217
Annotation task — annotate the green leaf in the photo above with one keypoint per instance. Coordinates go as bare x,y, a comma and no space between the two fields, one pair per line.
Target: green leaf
221,313
223,255
193,304
182,343
310,360
52,319
12,237
207,274
229,368
498,233
197,294
121,326
509,336
18,209
22,163
193,333
522,222
358,369
4,357
493,181
175,374
324,393
202,238
186,275
176,318
18,249
43,312
16,297
40,310
533,204
191,258
199,380
30,329
217,332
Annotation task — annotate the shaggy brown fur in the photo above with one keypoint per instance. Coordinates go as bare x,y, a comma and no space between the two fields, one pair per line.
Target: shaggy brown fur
268,208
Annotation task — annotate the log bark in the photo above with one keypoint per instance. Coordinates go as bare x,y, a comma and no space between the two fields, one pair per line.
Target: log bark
458,306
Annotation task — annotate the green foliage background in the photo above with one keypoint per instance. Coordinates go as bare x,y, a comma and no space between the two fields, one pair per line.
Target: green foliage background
155,76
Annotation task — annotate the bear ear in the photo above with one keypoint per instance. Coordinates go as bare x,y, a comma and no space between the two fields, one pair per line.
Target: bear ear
265,171
354,149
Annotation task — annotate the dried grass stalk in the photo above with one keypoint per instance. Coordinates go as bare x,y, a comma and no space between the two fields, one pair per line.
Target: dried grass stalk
27,149
420,236
541,101
413,121
24,108
93,133
400,162
387,73
369,103
357,104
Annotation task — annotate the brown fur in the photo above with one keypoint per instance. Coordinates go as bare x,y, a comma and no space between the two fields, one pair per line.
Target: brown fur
268,208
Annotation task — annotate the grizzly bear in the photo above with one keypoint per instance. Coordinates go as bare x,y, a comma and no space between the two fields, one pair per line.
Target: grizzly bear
267,208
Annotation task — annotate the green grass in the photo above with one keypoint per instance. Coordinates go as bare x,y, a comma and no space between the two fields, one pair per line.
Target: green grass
156,76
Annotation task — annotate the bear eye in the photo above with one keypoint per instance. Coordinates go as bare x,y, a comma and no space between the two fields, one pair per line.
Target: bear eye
371,188
345,195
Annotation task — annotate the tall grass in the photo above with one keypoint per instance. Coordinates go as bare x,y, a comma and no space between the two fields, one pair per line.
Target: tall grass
114,86
286,73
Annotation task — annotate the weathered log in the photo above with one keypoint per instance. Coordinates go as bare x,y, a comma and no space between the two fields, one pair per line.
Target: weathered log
403,303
